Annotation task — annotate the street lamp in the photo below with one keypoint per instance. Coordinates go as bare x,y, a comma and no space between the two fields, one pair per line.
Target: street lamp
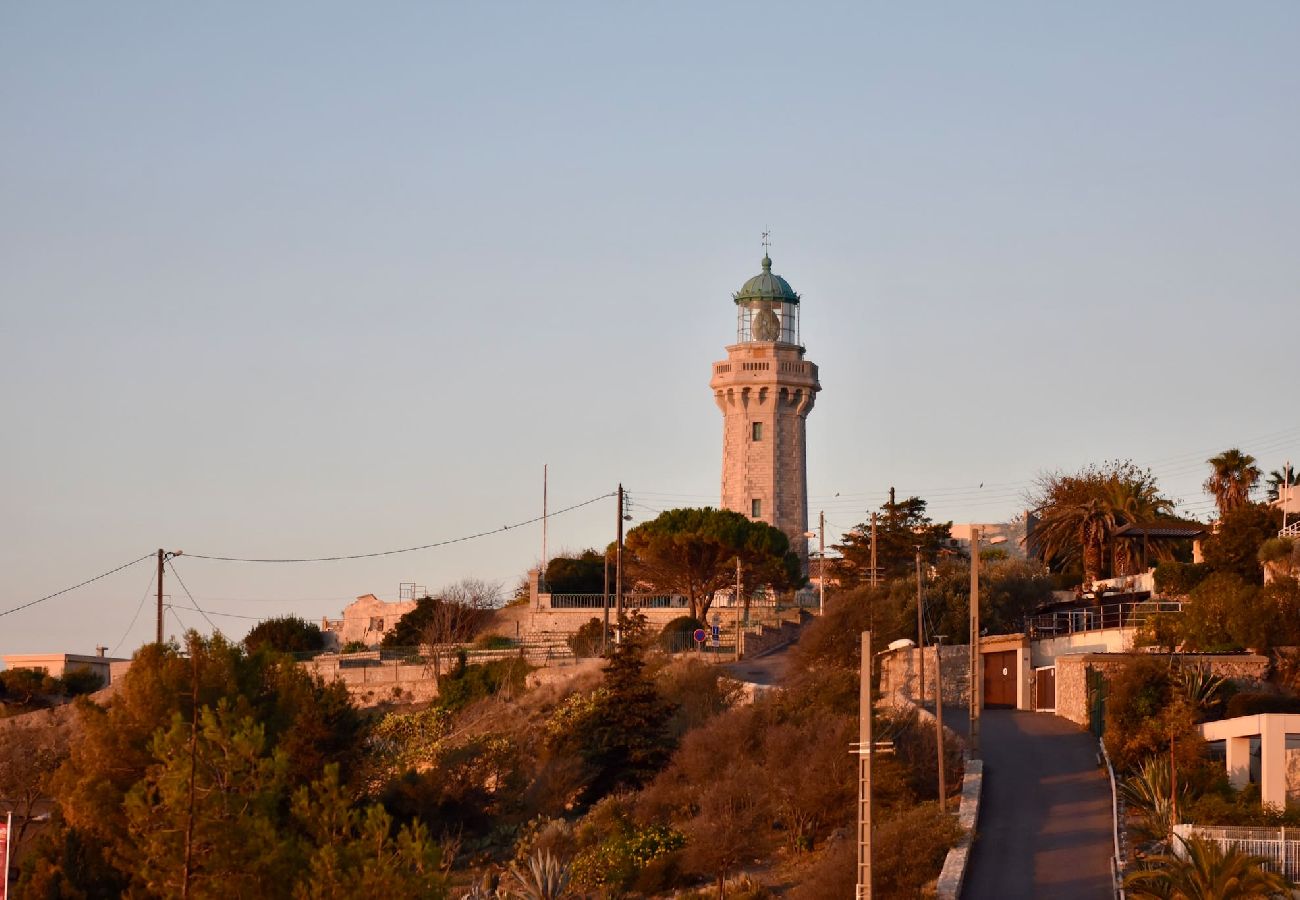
820,534
976,675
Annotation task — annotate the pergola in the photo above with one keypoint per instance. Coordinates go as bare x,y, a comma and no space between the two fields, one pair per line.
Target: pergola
1162,531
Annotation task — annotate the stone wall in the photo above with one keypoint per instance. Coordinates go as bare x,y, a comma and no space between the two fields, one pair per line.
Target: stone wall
1248,670
899,673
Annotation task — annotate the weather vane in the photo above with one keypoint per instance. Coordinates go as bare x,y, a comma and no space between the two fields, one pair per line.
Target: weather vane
767,242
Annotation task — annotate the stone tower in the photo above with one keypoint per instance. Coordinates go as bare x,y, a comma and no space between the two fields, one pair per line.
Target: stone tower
765,389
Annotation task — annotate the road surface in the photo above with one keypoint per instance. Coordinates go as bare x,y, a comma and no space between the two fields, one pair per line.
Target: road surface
1045,815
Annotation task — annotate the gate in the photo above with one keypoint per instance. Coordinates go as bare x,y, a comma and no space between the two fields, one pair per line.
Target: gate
1096,702
1045,689
1000,679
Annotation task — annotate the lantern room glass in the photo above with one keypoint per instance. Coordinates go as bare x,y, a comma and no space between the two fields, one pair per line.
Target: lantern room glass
787,313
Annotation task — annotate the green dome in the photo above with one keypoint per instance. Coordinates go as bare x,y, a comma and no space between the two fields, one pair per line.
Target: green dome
766,286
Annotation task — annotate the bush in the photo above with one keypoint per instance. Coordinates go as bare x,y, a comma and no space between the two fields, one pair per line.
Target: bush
81,681
355,647
493,642
678,634
286,634
465,684
587,640
1179,578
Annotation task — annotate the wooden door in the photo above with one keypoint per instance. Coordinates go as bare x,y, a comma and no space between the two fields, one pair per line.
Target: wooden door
1045,689
1000,679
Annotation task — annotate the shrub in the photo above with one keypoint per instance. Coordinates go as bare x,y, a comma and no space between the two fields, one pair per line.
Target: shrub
81,681
1178,578
465,684
355,647
587,640
697,691
286,634
677,635
493,642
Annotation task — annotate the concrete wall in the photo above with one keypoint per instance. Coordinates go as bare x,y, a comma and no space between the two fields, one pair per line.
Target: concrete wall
1109,640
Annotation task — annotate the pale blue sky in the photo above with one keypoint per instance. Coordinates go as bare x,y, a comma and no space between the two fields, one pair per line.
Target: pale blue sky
306,279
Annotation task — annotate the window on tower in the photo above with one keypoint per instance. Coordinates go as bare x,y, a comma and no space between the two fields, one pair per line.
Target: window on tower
756,508
756,431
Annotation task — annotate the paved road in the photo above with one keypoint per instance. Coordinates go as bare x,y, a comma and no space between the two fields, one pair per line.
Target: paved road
1045,816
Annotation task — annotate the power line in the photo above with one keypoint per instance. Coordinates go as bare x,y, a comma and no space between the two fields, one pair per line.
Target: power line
75,586
468,537
215,613
125,634
172,566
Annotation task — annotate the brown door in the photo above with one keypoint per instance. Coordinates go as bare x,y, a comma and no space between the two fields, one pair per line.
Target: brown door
1045,688
1000,679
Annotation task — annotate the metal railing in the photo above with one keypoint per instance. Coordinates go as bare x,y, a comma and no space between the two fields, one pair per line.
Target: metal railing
1291,531
1097,618
1279,846
630,601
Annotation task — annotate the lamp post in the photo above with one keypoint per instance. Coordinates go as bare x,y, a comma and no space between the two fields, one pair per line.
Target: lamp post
820,534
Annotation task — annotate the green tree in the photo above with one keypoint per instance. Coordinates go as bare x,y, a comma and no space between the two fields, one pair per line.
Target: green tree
901,527
1233,475
1277,480
1242,531
1077,515
285,634
693,552
581,574
1205,871
309,722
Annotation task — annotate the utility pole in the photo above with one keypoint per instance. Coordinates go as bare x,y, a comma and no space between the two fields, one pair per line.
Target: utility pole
864,772
739,588
938,719
873,549
604,635
821,562
162,558
1286,492
545,559
618,567
920,627
975,673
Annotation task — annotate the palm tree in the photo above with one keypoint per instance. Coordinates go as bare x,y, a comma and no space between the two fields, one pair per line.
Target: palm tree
1233,475
1204,871
1078,515
1277,480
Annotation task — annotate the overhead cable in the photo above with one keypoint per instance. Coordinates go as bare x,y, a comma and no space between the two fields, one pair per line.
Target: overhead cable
459,540
75,586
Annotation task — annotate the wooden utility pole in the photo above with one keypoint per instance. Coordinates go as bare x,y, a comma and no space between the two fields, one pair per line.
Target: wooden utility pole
864,772
162,558
618,567
920,628
194,749
821,562
975,673
874,581
604,635
938,719
545,559
739,588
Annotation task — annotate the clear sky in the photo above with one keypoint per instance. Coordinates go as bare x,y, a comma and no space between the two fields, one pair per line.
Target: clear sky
283,280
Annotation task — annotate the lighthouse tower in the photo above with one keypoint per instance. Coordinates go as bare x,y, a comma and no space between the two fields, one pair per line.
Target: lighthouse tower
765,389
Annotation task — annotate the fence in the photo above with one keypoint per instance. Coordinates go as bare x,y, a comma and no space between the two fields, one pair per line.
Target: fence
1279,846
598,601
1096,618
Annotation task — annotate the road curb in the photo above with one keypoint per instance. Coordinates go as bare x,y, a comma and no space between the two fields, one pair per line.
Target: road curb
954,865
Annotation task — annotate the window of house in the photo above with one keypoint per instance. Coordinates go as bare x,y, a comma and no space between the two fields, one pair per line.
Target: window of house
756,508
756,431
376,623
